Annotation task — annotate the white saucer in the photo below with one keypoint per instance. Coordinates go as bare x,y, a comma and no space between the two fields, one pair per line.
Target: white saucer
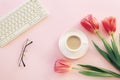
83,47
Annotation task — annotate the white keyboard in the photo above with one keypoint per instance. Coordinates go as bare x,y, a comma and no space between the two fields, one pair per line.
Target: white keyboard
20,20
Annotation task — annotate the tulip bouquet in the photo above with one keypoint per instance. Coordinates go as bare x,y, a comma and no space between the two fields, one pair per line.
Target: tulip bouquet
111,54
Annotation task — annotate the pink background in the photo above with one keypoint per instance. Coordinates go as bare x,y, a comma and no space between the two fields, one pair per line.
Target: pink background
41,55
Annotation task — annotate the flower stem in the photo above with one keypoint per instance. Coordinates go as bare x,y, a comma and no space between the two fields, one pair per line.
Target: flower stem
75,68
98,34
119,42
112,37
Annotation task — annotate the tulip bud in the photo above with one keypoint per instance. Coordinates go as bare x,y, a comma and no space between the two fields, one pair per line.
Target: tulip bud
62,66
109,25
90,23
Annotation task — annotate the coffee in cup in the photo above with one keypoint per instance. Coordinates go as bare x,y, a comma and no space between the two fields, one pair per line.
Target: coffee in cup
73,43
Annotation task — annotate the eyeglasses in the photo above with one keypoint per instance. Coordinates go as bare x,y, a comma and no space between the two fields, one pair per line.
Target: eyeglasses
21,58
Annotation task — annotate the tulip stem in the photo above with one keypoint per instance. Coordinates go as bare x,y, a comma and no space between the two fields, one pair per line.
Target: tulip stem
113,37
75,68
80,69
97,32
119,41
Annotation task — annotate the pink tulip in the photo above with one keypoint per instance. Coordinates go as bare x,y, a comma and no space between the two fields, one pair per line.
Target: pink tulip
109,24
62,66
90,23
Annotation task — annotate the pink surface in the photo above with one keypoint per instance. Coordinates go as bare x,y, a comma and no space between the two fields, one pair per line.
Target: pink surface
41,55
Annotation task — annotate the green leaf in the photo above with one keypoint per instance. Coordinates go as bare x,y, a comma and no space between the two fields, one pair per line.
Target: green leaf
95,74
115,50
103,53
109,49
110,52
107,57
115,64
97,69
119,42
89,67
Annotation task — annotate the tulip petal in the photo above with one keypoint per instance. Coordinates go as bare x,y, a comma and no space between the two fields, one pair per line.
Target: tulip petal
113,25
106,25
87,25
62,66
90,23
109,24
93,22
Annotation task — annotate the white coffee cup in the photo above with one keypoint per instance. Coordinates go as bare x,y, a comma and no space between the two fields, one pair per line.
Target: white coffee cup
73,44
